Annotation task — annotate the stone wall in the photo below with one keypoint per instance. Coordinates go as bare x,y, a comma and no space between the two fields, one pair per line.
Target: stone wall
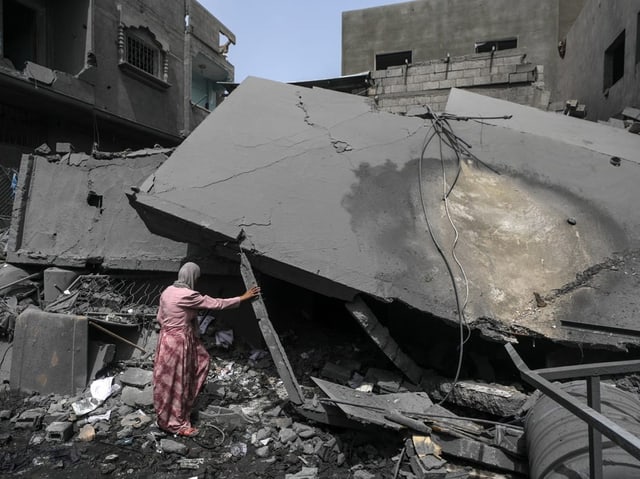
506,75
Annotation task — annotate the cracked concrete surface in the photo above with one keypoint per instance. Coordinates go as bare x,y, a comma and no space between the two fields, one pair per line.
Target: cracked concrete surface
57,225
330,200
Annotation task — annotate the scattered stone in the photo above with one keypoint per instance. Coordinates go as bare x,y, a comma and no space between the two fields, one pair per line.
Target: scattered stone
36,440
304,473
135,419
283,422
185,463
287,435
275,412
111,458
43,149
5,414
136,377
126,431
132,396
30,419
362,474
87,433
106,469
262,451
169,446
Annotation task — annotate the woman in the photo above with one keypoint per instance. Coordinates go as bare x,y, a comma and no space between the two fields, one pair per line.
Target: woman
181,362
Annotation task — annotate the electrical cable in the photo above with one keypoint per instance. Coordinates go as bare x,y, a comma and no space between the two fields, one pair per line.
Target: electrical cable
446,193
443,256
454,143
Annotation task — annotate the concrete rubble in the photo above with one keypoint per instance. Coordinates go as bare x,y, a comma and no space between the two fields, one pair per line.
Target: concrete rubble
374,350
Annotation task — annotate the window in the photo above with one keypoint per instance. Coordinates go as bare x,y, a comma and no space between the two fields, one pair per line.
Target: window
142,55
19,33
495,45
614,62
386,60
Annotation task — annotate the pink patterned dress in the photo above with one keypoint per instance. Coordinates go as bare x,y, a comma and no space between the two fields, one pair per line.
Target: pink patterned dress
181,361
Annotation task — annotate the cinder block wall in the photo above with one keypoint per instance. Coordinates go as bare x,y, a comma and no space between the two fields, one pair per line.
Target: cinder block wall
505,75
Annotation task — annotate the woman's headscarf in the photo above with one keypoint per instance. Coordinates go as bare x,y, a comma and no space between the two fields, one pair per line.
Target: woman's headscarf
188,275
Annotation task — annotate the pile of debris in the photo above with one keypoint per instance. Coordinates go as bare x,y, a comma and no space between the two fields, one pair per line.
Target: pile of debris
385,357
628,120
249,425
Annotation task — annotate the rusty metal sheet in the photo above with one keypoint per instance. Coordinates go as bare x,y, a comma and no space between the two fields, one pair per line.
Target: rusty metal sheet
371,408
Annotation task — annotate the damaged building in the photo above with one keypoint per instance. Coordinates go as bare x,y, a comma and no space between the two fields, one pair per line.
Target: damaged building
547,55
442,289
105,74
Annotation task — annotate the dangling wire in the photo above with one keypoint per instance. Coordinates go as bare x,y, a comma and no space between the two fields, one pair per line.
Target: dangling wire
440,126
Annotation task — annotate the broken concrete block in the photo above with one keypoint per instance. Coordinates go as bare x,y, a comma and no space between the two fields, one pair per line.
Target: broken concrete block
336,372
131,396
262,451
59,431
170,446
135,420
222,416
136,377
481,453
188,463
31,419
63,147
305,473
497,399
39,73
633,113
43,149
287,435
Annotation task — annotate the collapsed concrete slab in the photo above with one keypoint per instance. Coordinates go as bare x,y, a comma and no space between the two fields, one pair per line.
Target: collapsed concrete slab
71,211
332,195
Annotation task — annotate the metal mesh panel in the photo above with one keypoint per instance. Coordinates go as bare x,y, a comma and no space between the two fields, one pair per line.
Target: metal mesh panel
8,182
116,299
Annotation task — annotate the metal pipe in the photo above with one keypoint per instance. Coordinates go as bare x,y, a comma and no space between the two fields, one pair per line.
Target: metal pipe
110,333
35,275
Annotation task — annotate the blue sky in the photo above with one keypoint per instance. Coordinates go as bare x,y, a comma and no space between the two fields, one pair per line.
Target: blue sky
286,40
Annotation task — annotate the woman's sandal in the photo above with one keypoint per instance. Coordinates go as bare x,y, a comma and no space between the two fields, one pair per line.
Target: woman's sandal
187,431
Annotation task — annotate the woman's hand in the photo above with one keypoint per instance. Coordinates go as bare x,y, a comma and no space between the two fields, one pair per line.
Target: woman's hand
251,293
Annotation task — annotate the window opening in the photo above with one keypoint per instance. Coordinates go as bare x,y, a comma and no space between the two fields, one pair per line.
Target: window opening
495,45
94,199
142,55
614,61
18,33
386,60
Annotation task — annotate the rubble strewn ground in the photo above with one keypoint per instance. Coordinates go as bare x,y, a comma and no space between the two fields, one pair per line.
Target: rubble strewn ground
248,426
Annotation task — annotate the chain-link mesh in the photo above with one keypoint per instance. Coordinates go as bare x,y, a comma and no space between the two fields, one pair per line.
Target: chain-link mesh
8,182
116,299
